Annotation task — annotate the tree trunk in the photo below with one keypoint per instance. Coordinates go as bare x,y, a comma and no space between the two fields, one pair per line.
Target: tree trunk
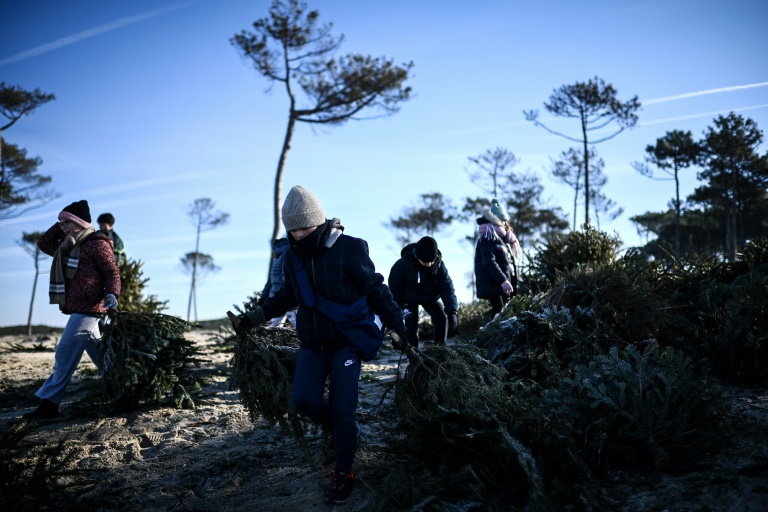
677,213
730,211
727,241
735,211
192,289
34,290
278,193
586,168
575,206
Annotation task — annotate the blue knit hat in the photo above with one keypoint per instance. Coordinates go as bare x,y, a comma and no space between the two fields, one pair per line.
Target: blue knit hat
496,214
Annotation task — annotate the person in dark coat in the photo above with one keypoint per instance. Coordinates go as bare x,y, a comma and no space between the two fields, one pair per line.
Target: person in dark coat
275,281
420,278
106,223
495,253
337,268
84,283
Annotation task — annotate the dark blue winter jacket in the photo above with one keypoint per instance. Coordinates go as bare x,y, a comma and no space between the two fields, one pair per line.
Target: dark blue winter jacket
339,269
412,284
493,265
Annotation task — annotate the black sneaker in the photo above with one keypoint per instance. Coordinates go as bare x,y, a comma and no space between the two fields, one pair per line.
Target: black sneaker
341,487
47,410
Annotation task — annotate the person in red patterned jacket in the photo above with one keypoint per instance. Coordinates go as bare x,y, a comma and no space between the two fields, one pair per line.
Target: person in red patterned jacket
85,283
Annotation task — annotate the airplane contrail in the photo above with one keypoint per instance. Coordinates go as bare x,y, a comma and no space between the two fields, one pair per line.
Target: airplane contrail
107,27
701,114
703,93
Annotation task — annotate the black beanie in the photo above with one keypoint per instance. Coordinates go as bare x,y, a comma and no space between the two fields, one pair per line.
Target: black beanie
426,249
78,209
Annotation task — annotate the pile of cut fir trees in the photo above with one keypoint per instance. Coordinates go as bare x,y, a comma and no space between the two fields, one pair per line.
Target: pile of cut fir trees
610,361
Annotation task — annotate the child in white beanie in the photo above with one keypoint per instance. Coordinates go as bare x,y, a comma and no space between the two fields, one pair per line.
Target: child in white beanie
324,273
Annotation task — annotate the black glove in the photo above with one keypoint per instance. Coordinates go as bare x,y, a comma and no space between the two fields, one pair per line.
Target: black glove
453,324
244,325
249,320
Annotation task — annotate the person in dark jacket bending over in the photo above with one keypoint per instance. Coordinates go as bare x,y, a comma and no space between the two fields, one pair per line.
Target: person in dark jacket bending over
495,253
336,267
420,278
85,283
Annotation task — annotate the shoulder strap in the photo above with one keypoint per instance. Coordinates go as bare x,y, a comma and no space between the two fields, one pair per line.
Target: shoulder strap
305,288
333,310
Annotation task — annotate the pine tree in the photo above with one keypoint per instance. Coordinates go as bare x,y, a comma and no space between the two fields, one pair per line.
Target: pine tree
132,283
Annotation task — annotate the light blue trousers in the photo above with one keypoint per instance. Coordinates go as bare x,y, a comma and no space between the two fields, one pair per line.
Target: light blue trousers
80,335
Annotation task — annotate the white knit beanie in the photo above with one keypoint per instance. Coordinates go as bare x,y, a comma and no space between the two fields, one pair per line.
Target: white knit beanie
301,209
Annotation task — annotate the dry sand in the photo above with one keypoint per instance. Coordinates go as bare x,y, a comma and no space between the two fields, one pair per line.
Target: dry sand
158,458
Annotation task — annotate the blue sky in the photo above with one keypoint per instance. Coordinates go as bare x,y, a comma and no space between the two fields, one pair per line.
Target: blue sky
155,109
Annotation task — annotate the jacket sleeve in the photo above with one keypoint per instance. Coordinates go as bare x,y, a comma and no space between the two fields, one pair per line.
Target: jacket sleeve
265,291
379,296
51,240
447,292
396,283
105,262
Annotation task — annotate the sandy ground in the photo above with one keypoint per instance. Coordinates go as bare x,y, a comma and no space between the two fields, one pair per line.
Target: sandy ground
158,458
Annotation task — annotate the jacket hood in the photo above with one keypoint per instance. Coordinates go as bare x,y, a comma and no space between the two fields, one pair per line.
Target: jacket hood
280,246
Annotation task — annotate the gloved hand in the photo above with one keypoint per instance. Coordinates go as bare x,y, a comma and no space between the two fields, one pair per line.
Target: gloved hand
399,339
251,319
506,287
110,301
244,324
453,324
407,311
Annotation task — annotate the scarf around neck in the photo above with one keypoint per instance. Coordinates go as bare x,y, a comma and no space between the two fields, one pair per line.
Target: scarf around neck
317,241
64,265
489,231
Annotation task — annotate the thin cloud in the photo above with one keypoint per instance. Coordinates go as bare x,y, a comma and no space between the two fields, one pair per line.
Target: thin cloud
115,190
153,182
703,93
86,34
703,114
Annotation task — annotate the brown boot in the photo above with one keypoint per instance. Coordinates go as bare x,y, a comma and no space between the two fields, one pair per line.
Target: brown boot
47,410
